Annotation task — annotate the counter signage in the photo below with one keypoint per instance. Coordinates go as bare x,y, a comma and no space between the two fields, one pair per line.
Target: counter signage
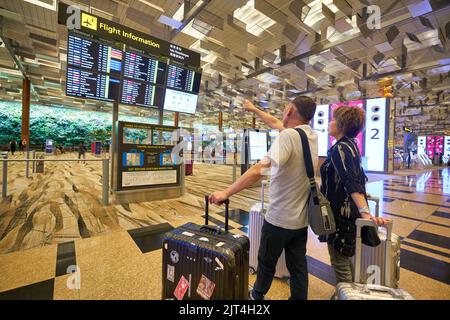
145,158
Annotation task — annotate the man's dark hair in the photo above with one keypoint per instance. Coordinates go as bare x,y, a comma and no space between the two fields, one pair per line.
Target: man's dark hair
306,107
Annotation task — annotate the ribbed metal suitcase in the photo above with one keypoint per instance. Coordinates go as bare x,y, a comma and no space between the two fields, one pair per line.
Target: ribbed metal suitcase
205,262
375,256
257,213
361,291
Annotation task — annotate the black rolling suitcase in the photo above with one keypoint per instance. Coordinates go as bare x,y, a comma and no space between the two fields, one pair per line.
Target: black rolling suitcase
205,262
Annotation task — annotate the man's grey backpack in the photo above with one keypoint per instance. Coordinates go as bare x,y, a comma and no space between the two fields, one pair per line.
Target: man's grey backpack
320,215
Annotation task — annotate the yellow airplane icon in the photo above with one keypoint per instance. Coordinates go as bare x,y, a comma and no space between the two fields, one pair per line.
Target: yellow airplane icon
88,21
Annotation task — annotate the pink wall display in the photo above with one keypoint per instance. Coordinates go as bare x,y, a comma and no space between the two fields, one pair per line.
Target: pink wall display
375,133
429,149
439,144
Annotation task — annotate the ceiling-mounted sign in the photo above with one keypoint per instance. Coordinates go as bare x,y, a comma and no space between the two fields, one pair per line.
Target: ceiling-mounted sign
110,30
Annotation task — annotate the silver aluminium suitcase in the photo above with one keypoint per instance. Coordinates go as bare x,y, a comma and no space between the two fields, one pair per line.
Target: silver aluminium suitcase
257,213
361,291
375,256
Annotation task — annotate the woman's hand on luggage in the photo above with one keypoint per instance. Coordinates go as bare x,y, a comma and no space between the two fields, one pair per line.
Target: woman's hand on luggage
377,220
218,197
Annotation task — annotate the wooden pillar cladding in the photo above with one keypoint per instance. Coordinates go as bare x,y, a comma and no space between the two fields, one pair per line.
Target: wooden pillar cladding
26,111
220,120
176,117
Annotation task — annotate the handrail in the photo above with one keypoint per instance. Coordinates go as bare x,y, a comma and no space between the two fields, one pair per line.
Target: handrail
105,176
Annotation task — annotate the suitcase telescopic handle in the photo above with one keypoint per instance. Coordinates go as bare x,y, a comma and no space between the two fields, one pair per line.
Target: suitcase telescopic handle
377,204
263,186
358,249
226,202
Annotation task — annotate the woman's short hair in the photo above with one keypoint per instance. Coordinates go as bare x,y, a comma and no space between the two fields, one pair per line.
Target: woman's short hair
350,120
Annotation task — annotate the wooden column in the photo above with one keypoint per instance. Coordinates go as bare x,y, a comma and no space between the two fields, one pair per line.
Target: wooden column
26,111
220,120
175,119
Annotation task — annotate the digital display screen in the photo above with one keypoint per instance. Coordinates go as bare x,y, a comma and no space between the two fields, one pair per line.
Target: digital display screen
258,145
360,137
180,101
137,136
375,133
94,56
144,68
165,138
431,140
141,94
183,79
87,84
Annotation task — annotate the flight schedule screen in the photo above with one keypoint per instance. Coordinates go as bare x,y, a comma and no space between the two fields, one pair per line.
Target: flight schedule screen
183,79
144,68
141,94
92,55
98,70
87,84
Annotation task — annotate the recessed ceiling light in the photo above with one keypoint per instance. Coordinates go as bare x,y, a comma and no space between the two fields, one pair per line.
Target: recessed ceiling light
43,4
154,6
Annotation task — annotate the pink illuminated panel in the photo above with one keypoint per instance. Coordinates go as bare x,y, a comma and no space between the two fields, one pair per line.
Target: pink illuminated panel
430,146
360,136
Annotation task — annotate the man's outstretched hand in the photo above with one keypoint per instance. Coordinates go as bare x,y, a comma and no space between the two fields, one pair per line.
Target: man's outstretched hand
218,197
248,106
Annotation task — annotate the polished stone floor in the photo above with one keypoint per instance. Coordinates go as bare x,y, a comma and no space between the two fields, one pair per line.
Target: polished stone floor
53,221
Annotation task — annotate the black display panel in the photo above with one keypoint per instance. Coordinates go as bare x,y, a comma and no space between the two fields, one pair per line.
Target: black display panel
94,56
183,79
87,84
140,67
141,94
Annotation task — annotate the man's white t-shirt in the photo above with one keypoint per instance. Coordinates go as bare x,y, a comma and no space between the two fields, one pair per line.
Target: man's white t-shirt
289,184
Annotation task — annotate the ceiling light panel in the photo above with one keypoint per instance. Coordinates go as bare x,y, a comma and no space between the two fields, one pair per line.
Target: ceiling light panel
427,39
256,22
51,5
152,5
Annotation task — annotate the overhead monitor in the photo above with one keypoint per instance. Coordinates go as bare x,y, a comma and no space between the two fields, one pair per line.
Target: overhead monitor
257,142
180,101
144,68
183,79
141,94
93,56
87,84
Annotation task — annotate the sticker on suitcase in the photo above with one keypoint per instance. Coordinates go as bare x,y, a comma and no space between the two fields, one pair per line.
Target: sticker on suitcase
170,273
181,288
174,256
205,288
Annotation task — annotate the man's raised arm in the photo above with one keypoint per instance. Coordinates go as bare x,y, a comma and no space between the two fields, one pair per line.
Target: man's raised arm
265,117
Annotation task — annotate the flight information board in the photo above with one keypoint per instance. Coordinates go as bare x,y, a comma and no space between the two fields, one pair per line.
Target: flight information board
97,70
87,84
144,68
141,94
183,79
94,56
